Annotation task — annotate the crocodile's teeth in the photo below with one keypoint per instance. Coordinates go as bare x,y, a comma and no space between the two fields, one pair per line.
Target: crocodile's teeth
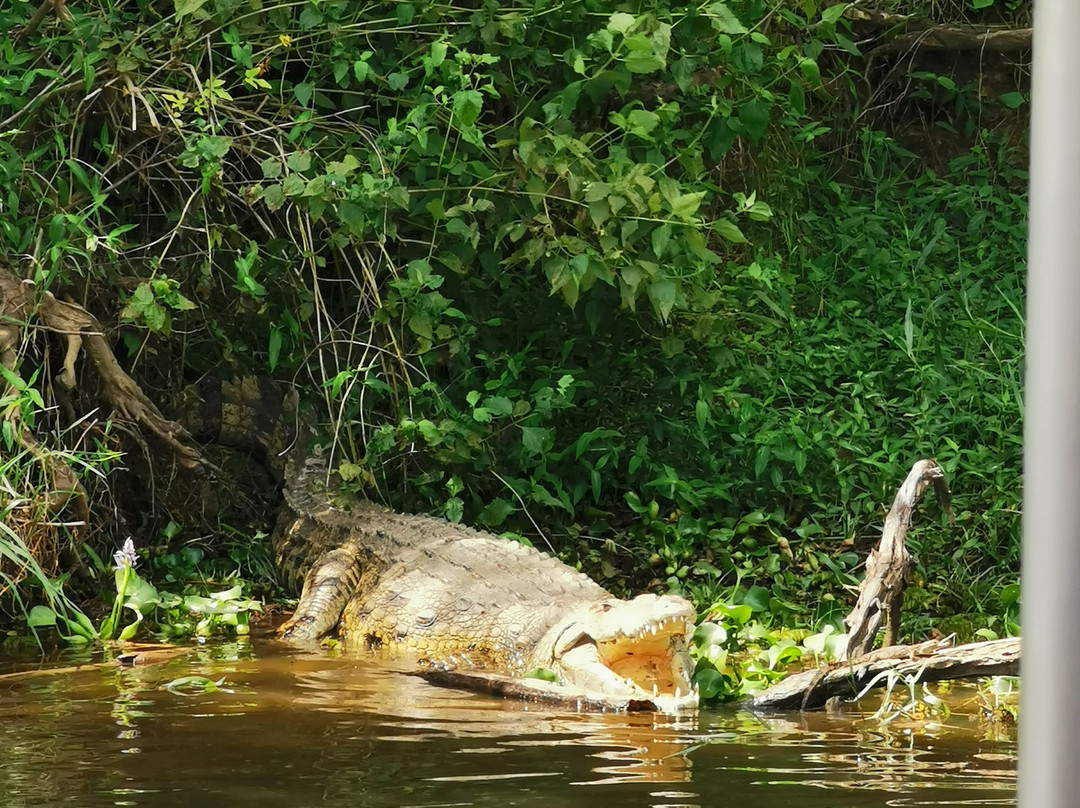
655,690
677,694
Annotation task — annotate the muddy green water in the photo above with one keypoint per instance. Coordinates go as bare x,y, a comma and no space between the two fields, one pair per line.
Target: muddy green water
300,728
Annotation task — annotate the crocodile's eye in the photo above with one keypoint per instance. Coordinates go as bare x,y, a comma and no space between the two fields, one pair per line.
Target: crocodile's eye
607,607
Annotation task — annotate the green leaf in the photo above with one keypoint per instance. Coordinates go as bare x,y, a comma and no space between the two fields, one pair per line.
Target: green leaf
662,294
274,196
1012,100
719,137
467,106
125,64
761,461
351,215
542,496
620,22
710,683
141,596
192,685
349,471
740,615
1010,595
41,616
310,17
438,53
709,633
797,98
834,13
754,116
303,93
495,512
846,43
214,147
661,237
537,440
299,161
294,185
431,432
641,62
686,205
499,405
748,57
185,7
641,122
541,673
810,70
271,168
757,599
274,350
724,20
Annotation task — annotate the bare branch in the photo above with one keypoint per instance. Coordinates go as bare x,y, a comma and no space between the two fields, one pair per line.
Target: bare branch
881,593
932,661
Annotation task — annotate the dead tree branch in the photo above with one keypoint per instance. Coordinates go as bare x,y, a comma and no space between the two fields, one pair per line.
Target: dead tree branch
932,661
20,302
957,38
58,6
881,594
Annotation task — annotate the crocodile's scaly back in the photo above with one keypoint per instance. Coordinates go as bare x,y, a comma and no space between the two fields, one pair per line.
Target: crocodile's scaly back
412,578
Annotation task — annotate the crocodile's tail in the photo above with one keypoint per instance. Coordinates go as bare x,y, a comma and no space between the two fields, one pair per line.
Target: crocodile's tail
313,545
255,413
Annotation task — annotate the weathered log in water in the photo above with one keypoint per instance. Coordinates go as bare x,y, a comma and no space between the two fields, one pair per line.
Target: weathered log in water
932,661
880,599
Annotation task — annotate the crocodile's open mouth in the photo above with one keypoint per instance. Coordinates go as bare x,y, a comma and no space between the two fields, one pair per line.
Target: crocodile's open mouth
652,665
605,655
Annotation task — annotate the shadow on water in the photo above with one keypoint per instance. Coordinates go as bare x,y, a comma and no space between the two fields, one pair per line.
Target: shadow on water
294,728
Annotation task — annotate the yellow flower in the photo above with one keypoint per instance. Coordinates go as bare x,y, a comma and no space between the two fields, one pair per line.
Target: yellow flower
285,40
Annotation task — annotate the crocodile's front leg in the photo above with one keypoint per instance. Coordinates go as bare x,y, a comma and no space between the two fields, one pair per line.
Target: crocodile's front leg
328,585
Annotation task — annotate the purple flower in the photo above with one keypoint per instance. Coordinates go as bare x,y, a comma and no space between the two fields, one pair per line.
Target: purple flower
125,557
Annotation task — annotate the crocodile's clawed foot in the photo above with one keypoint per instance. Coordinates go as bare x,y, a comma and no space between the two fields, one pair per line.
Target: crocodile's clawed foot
298,628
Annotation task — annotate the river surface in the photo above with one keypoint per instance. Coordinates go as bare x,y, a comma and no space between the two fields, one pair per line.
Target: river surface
297,728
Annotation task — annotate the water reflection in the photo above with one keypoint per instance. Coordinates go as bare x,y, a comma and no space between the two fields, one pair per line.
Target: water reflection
295,728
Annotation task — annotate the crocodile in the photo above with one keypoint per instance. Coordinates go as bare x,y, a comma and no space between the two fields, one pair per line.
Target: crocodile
479,610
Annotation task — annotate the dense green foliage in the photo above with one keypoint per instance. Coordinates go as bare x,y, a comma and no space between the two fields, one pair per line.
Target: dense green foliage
649,276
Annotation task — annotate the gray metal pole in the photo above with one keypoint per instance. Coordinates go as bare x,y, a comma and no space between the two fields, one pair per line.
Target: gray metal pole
1050,698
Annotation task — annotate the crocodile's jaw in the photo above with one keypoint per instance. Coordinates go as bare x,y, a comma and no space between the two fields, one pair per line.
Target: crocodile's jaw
627,651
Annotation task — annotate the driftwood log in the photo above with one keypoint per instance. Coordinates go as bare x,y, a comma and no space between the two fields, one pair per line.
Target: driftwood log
932,661
880,599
